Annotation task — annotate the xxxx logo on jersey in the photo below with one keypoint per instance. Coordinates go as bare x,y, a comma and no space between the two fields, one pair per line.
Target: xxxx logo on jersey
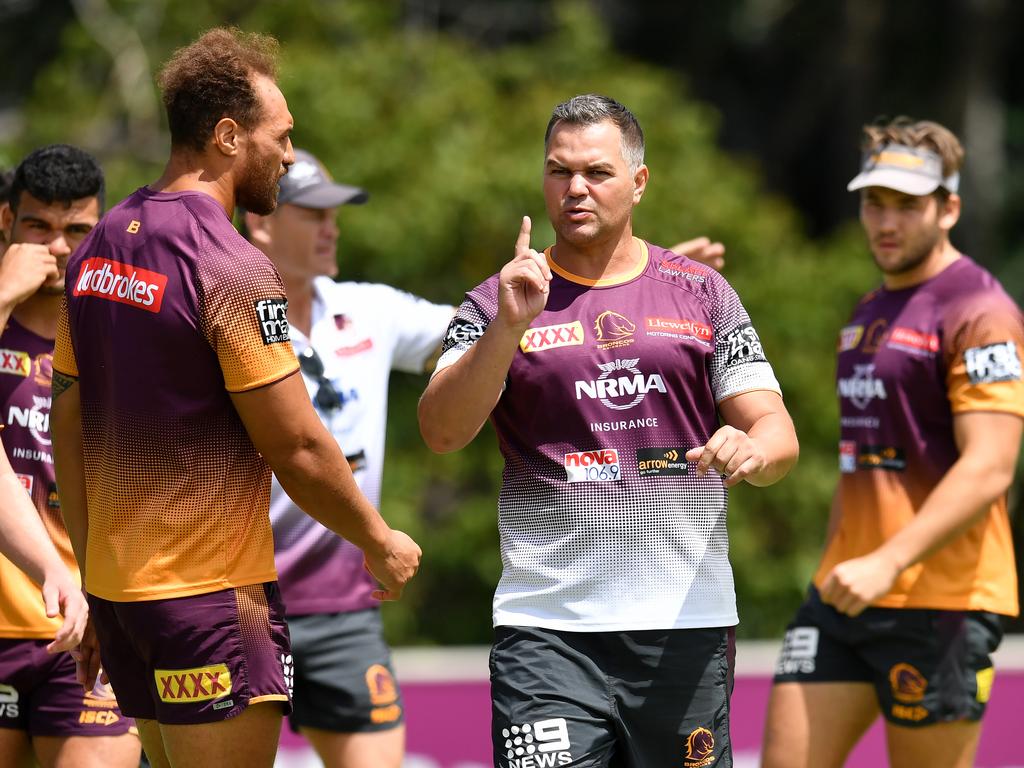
552,337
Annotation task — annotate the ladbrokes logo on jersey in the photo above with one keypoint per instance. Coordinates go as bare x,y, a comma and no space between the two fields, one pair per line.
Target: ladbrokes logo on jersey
542,744
116,281
861,388
552,337
187,686
621,385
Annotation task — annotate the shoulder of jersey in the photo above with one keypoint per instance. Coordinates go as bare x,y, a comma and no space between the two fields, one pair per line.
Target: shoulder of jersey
682,271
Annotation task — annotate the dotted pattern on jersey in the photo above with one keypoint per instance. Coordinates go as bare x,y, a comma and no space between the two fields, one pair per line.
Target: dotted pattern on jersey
639,552
908,362
231,285
177,492
63,352
22,613
739,364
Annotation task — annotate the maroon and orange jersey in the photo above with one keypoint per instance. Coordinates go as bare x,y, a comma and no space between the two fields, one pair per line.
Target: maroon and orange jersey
909,361
25,372
167,311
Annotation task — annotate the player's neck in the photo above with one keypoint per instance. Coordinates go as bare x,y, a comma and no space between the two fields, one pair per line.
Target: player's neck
604,260
186,172
941,257
38,313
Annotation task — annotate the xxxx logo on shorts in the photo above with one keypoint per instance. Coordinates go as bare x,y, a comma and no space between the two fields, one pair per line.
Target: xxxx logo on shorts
184,686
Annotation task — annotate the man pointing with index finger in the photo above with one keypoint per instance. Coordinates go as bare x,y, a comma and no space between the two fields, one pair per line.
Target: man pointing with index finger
605,364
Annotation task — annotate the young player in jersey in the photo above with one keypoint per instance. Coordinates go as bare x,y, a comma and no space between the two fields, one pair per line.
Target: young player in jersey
605,364
348,338
25,541
55,199
903,612
175,395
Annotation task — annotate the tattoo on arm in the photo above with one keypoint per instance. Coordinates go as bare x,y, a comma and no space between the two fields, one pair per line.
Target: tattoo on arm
61,382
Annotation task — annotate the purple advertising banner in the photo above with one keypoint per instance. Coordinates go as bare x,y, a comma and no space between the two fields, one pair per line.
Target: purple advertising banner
448,711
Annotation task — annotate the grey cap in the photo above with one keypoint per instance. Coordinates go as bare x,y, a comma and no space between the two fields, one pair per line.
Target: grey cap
309,185
912,170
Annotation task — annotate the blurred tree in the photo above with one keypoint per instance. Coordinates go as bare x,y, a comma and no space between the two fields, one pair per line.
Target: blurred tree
447,133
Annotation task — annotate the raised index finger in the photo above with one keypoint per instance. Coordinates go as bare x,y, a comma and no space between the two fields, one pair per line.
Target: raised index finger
523,241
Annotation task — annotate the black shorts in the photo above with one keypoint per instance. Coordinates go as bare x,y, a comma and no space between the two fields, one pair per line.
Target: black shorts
344,681
641,699
927,666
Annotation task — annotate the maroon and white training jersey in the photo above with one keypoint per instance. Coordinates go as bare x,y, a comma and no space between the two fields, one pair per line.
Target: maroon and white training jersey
910,361
604,525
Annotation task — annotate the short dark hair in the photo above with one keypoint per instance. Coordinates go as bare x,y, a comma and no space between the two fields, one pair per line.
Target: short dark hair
212,79
6,177
57,173
591,109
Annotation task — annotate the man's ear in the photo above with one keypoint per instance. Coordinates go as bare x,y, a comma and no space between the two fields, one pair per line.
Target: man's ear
226,136
949,212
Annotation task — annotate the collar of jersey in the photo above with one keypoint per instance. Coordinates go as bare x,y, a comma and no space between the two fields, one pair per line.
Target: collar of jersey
602,282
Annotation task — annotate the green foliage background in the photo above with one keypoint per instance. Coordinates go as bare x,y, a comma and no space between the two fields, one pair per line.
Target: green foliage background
448,139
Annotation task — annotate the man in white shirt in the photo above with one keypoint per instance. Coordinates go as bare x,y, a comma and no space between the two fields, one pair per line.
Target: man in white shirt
348,337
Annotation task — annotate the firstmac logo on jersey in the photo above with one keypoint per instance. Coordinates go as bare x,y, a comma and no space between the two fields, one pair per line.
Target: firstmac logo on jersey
272,317
120,282
461,331
992,363
743,345
542,744
630,382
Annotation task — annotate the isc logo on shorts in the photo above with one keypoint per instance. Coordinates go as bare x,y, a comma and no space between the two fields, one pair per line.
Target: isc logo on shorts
186,686
542,744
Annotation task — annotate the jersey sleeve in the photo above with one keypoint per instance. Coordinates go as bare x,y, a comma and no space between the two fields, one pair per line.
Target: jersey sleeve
471,320
738,364
984,358
419,329
244,315
63,352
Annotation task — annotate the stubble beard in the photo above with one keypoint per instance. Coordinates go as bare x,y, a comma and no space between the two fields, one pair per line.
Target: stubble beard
912,260
257,191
